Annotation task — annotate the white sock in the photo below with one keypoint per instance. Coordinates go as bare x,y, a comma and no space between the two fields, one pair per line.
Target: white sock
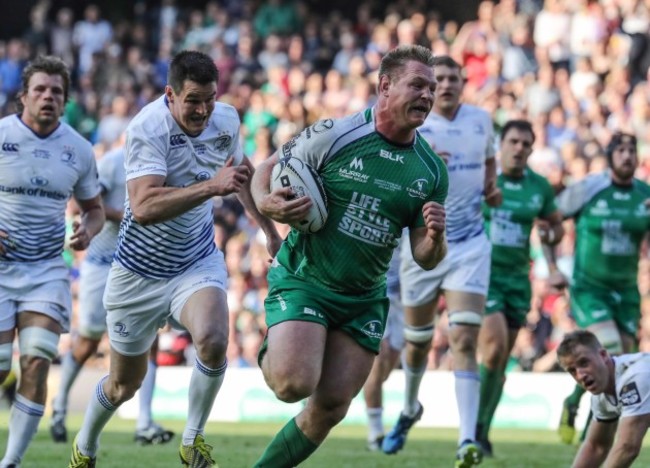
145,418
23,423
412,388
98,413
69,371
204,386
468,387
375,423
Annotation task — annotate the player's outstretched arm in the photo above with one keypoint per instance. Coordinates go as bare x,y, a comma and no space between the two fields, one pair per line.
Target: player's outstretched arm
273,239
92,221
631,431
492,193
152,203
594,449
428,243
279,204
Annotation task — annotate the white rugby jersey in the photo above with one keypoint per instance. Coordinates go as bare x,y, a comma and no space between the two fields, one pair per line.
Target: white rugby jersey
37,177
112,180
469,140
632,379
156,145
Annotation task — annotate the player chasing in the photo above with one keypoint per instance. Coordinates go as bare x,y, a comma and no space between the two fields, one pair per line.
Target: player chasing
612,218
92,316
326,307
527,197
42,162
181,150
620,401
462,134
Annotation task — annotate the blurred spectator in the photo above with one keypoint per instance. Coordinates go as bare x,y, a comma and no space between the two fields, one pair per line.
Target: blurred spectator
90,35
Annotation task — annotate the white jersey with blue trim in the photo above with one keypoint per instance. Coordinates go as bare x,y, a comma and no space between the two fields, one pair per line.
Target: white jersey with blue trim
632,383
37,177
156,145
112,180
469,140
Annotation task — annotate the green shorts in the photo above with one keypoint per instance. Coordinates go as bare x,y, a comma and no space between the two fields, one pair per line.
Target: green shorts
510,296
591,305
362,316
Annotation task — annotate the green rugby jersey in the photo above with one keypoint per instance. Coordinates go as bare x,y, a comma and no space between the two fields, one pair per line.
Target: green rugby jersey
374,189
509,225
611,222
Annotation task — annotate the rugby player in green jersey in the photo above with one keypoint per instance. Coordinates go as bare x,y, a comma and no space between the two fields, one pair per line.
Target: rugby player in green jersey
612,218
527,197
326,307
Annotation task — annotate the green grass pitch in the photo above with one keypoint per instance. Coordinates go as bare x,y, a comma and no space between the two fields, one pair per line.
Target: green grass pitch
239,446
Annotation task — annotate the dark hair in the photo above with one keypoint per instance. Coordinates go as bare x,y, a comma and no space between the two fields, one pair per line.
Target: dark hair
446,61
578,338
617,139
519,124
194,66
395,60
50,65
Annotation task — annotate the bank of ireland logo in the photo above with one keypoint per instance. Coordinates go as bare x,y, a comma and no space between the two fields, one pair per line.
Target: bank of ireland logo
201,176
418,188
39,181
373,329
177,140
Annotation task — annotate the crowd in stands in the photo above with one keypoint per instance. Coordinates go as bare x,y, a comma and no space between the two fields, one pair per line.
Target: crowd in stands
577,69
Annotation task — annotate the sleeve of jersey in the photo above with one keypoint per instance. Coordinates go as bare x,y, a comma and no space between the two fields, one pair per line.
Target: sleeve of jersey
634,395
87,186
442,187
145,154
313,144
571,200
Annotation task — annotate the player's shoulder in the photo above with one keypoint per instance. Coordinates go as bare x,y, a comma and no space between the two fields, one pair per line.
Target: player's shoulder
114,156
642,186
9,121
336,133
152,120
69,137
224,118
471,110
537,178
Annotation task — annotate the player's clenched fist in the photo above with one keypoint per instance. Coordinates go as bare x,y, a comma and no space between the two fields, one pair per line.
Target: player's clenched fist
230,179
434,218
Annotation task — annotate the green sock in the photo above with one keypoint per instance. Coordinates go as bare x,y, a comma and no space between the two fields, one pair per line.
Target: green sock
288,448
491,386
575,397
494,403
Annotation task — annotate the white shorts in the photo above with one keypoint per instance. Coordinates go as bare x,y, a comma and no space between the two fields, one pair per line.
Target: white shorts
136,307
394,332
42,287
92,315
466,268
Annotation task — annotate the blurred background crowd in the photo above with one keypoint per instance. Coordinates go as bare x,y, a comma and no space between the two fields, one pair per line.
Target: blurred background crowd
577,69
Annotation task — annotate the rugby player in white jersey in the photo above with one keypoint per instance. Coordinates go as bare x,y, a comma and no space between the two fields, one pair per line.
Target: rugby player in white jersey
42,163
463,135
181,150
620,401
92,315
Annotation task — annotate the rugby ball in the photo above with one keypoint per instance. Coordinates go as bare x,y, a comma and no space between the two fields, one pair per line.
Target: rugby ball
305,182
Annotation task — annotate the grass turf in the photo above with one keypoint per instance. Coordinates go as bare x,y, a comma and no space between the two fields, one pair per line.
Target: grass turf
238,445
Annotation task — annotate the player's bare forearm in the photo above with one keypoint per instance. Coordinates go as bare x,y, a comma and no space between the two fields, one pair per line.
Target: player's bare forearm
92,215
492,193
152,203
261,182
113,215
246,198
427,251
